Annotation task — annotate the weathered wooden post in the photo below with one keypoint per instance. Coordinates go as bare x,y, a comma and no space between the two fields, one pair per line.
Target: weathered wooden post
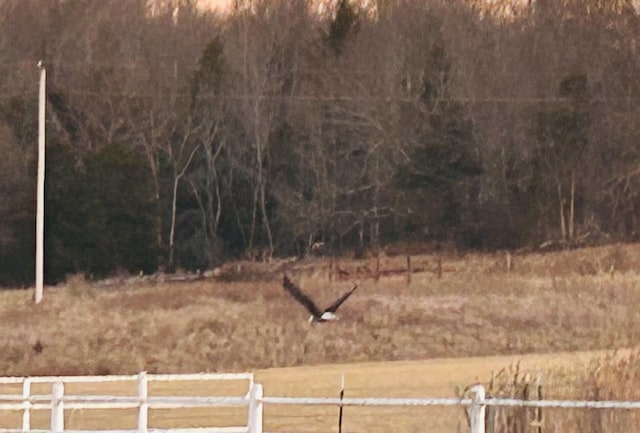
538,414
42,103
341,407
330,269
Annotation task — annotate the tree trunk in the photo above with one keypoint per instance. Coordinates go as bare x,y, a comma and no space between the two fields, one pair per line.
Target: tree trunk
563,226
213,210
572,206
171,264
174,200
265,219
254,214
151,153
260,189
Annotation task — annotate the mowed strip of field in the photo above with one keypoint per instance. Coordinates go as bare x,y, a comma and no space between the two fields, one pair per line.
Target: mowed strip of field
430,378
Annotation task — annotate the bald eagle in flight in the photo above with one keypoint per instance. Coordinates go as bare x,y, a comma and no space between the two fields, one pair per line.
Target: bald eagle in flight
317,315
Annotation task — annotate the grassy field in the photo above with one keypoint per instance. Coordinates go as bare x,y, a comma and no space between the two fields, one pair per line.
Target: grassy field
581,300
443,377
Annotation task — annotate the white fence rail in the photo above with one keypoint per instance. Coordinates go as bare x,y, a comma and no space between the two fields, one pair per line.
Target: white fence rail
254,400
57,401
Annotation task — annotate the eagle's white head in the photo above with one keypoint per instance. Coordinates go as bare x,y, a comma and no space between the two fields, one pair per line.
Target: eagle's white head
327,316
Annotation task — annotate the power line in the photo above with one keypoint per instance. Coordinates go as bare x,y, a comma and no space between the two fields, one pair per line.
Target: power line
329,98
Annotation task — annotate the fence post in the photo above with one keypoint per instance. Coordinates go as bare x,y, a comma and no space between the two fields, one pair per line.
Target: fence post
143,409
538,416
341,407
255,408
57,407
477,409
331,269
26,413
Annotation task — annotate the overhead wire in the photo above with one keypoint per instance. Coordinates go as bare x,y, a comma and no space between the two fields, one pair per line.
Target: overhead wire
328,98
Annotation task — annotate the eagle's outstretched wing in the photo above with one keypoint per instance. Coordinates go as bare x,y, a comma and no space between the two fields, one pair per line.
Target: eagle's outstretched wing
301,297
336,304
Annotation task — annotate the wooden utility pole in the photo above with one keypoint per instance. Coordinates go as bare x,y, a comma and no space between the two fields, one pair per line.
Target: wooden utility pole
40,185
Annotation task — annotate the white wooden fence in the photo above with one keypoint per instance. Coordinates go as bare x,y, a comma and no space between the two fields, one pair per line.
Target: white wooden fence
254,400
57,401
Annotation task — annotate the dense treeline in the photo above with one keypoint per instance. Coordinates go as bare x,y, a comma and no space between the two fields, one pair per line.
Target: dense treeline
179,138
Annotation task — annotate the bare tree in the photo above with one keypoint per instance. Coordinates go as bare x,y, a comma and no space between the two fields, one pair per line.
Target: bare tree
167,129
262,74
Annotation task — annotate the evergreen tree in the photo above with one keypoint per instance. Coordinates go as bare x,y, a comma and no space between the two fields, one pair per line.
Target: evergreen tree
342,26
99,215
120,225
442,163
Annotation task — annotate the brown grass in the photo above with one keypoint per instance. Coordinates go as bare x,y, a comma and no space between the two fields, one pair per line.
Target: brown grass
549,302
565,374
604,376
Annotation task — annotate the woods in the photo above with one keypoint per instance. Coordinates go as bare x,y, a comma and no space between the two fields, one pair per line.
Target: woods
179,138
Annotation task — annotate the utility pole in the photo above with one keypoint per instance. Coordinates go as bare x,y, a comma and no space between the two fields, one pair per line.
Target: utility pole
40,185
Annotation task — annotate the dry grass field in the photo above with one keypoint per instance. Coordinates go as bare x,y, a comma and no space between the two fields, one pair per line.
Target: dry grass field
444,377
565,376
580,300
